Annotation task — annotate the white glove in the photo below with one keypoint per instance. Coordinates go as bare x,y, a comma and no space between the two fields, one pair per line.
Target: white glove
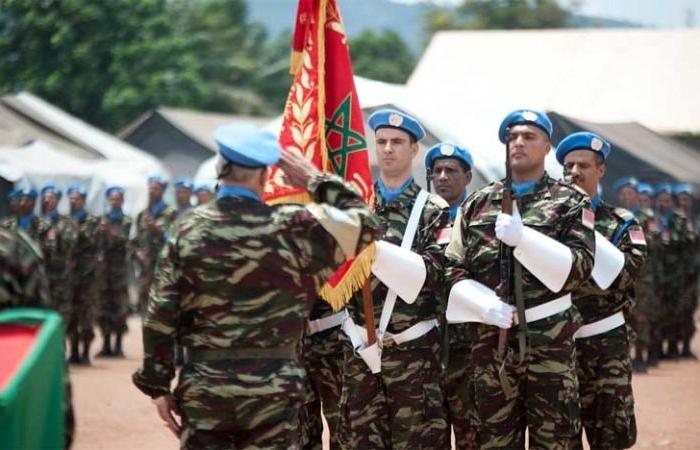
501,315
509,229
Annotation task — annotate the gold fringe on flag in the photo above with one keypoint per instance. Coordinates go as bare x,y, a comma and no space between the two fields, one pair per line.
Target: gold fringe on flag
352,281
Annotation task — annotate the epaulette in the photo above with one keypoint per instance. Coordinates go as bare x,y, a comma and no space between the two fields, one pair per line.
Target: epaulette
438,201
566,184
624,214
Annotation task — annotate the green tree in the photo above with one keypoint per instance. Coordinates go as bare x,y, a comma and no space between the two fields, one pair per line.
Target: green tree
381,56
105,62
500,14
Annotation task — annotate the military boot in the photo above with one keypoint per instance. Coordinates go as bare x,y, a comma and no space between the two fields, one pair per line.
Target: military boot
686,353
672,352
653,356
106,346
74,357
118,352
85,356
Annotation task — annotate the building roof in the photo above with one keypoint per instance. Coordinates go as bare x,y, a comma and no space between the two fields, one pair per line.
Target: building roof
601,75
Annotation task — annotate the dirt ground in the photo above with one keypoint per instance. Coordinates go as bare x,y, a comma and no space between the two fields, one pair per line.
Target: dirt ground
113,414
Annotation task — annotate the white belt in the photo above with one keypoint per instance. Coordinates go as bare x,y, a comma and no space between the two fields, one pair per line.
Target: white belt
545,310
601,326
326,323
358,334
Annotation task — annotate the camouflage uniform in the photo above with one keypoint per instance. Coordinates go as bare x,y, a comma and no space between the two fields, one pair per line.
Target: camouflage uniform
151,245
546,400
85,286
604,367
322,354
37,229
670,268
403,406
644,312
23,283
689,293
112,254
235,285
58,251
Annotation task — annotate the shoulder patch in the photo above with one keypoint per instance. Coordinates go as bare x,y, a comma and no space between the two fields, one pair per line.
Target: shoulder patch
438,201
637,237
588,218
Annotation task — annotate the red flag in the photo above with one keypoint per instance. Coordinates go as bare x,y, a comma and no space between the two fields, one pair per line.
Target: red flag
323,121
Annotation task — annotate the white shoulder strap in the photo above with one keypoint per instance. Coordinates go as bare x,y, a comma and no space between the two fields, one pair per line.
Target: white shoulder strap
406,243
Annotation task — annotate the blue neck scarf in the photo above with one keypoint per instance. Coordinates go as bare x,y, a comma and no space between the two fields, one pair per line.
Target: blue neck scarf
389,195
52,216
596,201
455,208
79,216
115,214
523,188
26,221
236,191
157,208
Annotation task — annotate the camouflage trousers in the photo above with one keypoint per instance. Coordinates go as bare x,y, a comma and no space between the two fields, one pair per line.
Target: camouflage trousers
219,412
638,316
81,318
400,408
605,387
688,305
670,304
60,296
458,385
114,309
323,360
144,285
546,398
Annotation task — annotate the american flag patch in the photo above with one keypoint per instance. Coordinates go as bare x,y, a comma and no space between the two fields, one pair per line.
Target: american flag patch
444,235
588,218
637,237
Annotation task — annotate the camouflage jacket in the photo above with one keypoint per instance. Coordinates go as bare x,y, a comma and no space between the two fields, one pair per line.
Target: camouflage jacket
23,281
554,208
621,228
147,241
239,273
37,230
692,237
394,218
59,245
670,264
85,251
112,247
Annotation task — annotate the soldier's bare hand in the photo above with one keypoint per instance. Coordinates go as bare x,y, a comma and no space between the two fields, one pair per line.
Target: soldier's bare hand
297,169
167,410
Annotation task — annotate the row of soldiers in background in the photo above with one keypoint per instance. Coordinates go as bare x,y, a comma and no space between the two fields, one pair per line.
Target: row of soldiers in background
464,341
666,291
88,258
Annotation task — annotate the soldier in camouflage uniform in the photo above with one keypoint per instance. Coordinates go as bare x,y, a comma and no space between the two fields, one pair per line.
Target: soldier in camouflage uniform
85,286
602,345
235,285
670,267
183,195
683,194
531,381
151,225
114,290
204,192
36,227
58,250
402,406
13,201
450,170
23,283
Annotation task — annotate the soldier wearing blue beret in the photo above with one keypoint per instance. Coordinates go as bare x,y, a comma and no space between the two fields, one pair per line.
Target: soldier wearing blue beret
183,195
602,344
683,195
204,191
24,200
450,169
645,191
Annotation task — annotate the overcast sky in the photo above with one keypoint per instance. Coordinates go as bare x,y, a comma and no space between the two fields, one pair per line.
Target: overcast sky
656,13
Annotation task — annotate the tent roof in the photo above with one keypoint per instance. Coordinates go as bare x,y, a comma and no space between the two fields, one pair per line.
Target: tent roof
601,75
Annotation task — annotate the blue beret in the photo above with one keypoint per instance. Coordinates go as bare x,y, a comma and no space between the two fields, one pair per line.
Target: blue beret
583,140
663,187
114,188
183,183
51,188
27,192
77,188
246,145
204,186
392,118
448,150
645,188
14,193
155,178
683,188
625,181
525,117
